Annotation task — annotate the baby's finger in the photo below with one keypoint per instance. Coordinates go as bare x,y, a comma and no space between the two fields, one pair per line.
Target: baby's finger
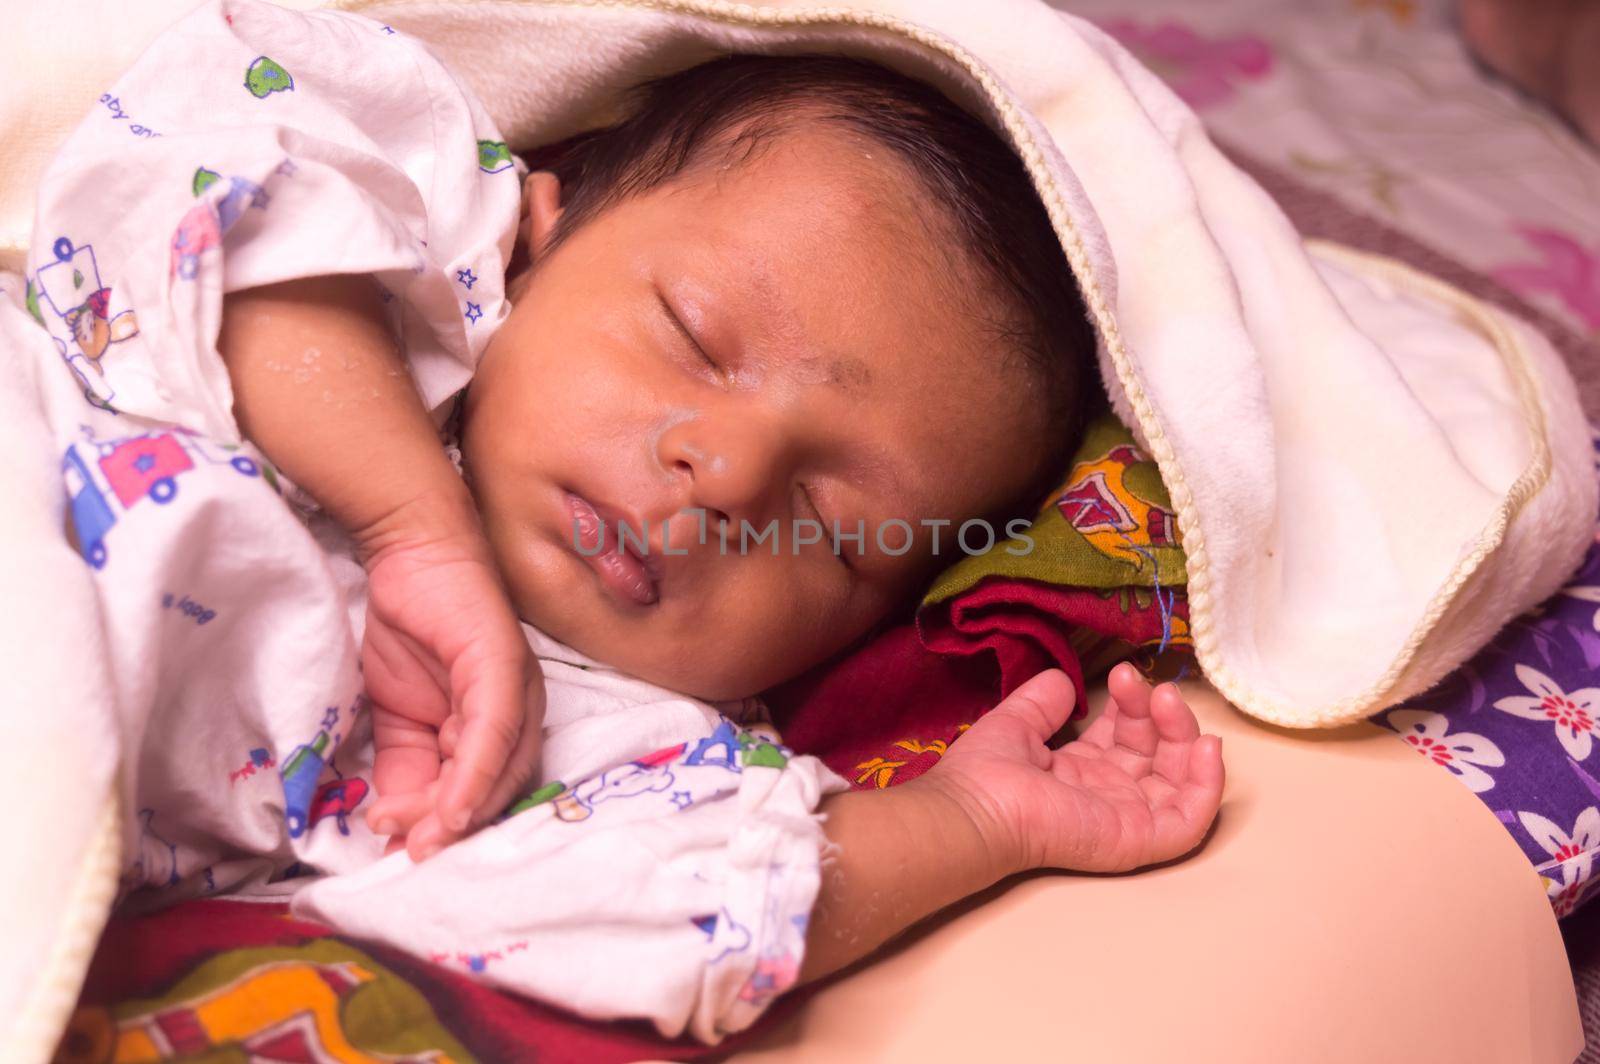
406,755
1182,822
1178,729
1130,690
427,838
1201,794
397,673
524,764
1134,730
449,736
1041,704
398,814
1157,791
1174,719
494,715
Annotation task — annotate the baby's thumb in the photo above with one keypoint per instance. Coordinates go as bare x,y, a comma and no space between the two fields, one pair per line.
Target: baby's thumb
1041,705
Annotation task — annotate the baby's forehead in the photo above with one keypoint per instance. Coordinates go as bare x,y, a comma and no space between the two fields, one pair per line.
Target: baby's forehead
868,180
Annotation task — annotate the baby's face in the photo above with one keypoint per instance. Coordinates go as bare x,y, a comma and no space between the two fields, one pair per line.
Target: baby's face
778,341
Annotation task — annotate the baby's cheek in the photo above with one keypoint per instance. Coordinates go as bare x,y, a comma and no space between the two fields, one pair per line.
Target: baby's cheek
766,622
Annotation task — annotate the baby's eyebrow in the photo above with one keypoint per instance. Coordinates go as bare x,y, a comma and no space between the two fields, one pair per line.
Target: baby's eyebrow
846,372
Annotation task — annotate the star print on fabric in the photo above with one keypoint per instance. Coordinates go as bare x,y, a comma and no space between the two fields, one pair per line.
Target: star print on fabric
474,312
682,799
330,717
467,277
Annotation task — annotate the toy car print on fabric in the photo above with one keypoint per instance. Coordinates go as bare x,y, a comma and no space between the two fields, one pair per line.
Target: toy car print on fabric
773,975
305,802
299,774
338,799
131,469
198,232
202,228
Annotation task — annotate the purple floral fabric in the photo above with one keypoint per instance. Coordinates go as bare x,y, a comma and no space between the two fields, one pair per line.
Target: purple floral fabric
1520,725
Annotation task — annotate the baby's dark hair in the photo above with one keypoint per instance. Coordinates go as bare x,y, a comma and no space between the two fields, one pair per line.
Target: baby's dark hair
677,122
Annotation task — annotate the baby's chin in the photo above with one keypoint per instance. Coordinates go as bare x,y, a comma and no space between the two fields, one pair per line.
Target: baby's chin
684,676
711,668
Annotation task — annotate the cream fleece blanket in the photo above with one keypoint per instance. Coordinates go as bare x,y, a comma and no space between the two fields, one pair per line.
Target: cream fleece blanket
1282,388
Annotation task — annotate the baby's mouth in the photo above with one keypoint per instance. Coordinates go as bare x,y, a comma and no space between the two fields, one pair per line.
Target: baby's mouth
622,568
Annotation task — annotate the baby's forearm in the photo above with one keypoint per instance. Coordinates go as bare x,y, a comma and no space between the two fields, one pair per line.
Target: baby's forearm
319,386
901,854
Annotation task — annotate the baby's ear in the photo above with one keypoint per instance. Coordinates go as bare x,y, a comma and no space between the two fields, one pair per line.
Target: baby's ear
541,209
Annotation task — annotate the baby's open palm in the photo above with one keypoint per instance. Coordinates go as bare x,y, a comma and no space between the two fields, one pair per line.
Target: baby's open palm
1140,786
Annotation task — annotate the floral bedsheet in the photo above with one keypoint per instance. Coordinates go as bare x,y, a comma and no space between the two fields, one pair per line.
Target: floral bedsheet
1380,103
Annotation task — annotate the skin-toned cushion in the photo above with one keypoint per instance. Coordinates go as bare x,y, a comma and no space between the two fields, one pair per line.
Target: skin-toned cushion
1352,903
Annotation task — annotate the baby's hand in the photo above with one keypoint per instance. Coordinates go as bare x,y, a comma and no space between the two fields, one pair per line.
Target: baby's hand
458,698
1141,786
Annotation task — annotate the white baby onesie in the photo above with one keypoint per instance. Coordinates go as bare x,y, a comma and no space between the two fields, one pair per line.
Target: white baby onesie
666,866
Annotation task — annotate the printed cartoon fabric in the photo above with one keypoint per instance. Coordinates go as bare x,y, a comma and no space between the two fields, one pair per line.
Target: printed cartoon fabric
373,161
1098,578
668,857
298,145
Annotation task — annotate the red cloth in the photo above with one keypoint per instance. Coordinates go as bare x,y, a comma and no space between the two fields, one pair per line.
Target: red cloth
879,714
876,715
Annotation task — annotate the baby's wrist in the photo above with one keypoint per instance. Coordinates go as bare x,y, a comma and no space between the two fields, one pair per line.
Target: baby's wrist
965,829
437,512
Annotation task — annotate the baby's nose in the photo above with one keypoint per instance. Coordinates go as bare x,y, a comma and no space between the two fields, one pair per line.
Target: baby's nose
734,465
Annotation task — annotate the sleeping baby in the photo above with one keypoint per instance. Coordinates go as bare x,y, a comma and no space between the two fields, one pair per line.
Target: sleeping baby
573,464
